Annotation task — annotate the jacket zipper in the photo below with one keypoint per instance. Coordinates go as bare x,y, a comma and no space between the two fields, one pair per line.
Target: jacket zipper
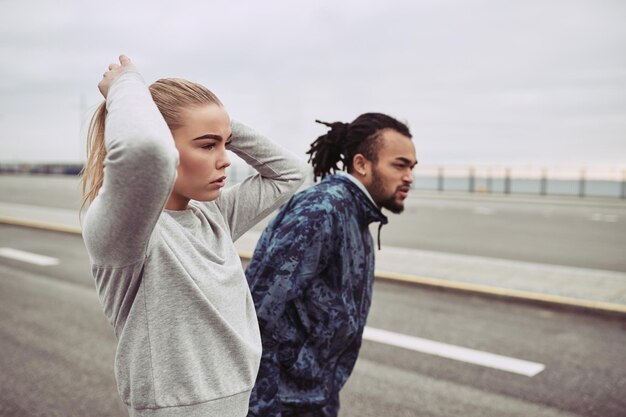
347,348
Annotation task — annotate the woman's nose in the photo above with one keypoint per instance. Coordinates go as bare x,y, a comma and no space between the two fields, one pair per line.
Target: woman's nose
224,161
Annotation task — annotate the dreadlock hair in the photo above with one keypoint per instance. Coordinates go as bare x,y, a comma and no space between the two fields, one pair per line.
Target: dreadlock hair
344,140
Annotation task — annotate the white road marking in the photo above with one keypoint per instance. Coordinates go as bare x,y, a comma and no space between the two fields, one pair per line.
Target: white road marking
547,213
608,218
477,357
29,257
485,211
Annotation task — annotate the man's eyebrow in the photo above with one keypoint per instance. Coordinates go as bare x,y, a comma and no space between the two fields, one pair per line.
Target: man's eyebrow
212,136
406,161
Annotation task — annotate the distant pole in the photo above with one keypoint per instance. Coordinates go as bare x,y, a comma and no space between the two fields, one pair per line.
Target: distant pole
489,180
581,184
624,184
82,110
507,181
440,179
544,181
471,180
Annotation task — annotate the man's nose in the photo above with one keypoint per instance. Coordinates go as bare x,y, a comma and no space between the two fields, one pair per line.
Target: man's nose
408,177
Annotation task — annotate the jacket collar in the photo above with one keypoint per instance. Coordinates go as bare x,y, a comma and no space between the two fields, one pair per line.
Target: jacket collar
357,183
366,207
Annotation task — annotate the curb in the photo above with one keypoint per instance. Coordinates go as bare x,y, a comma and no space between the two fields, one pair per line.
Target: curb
507,293
598,307
34,224
456,286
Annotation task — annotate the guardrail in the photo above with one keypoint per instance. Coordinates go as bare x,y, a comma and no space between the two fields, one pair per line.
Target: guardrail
581,182
41,168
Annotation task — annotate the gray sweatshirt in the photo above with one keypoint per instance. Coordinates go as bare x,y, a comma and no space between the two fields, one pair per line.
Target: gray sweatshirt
171,282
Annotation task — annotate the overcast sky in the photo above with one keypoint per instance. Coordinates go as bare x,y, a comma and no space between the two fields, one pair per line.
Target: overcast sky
479,82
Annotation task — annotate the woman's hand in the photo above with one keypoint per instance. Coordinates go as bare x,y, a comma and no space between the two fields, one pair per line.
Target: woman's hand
114,71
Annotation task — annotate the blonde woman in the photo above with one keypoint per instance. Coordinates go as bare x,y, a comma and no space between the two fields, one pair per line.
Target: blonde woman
159,231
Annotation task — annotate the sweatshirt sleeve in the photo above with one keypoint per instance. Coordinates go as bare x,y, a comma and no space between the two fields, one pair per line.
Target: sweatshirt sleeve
139,172
280,174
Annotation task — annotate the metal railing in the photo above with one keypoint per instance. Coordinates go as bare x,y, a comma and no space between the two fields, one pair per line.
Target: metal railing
580,182
41,168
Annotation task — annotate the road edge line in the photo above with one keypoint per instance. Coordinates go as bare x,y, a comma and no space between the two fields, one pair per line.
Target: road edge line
458,286
35,224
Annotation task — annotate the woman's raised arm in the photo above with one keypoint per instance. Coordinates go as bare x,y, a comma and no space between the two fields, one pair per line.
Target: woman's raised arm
139,170
280,174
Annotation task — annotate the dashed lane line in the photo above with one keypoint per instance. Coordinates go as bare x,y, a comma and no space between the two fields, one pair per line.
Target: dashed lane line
29,257
477,357
583,304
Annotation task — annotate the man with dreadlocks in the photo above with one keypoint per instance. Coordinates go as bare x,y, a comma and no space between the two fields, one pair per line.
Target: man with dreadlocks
312,271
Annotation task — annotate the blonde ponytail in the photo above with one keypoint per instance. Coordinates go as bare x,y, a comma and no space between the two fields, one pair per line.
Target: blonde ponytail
92,175
171,95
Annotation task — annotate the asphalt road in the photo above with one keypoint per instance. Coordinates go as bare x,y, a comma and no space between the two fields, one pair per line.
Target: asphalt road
57,350
586,233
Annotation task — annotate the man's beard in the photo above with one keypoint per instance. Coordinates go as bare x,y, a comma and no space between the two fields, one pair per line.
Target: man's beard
390,203
393,206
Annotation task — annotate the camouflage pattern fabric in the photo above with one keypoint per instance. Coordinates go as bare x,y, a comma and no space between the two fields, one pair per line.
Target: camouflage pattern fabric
311,279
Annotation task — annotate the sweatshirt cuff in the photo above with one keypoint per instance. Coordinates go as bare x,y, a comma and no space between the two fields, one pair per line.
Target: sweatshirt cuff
119,82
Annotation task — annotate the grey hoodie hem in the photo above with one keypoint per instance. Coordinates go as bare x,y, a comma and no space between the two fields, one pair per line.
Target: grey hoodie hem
233,406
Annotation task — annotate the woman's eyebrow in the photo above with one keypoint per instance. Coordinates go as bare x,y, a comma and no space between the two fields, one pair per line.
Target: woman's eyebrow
212,136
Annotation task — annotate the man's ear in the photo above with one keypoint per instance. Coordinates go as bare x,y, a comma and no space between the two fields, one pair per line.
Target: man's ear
361,166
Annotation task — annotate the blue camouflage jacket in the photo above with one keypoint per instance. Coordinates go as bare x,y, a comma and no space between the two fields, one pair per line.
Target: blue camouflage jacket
311,279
